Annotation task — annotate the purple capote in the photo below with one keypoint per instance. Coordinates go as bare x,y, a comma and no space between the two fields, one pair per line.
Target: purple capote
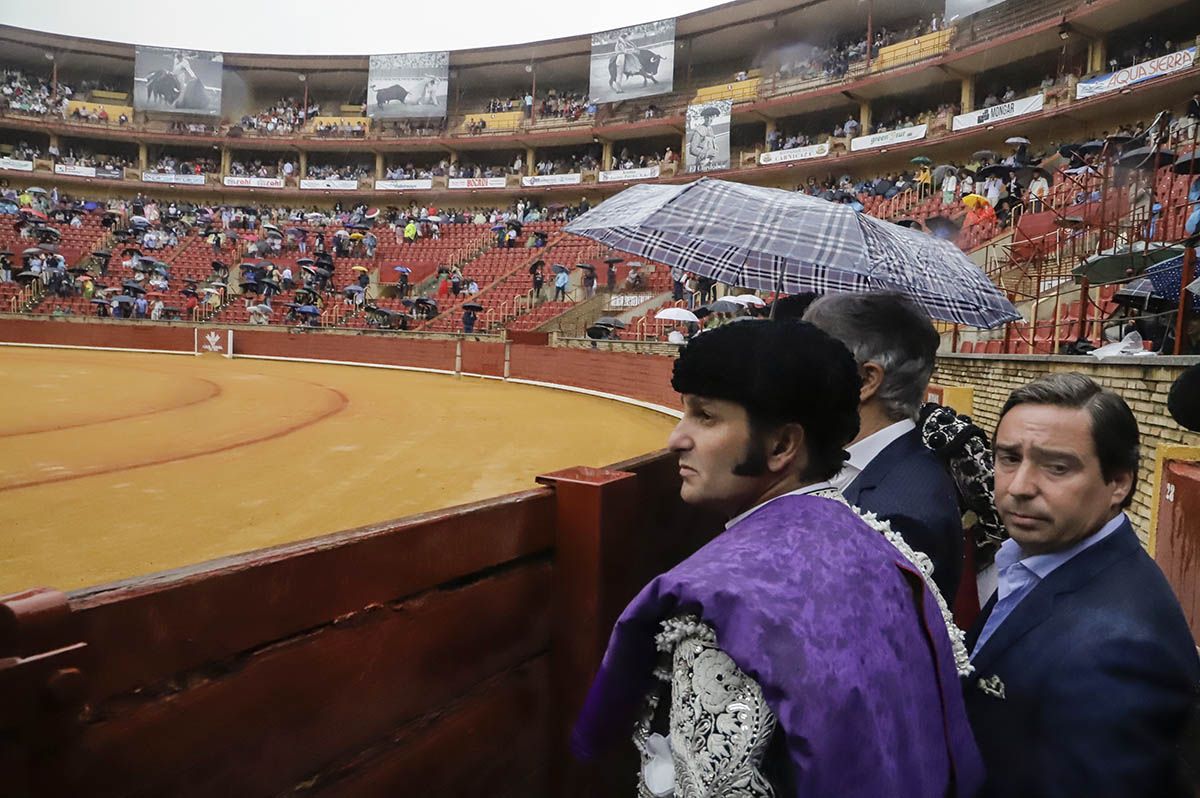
820,610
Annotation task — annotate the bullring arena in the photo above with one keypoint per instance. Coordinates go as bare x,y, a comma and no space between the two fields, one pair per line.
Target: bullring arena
333,442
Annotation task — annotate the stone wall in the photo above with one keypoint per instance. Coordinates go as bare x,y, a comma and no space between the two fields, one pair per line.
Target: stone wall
1143,382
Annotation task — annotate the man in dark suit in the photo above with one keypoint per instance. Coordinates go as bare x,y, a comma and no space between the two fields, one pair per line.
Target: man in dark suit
890,471
1085,669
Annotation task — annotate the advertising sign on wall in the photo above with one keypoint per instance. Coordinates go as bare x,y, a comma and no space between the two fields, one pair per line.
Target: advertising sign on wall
794,154
900,136
477,182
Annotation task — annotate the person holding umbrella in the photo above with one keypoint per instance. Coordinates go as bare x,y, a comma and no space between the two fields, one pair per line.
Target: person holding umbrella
949,187
538,279
470,315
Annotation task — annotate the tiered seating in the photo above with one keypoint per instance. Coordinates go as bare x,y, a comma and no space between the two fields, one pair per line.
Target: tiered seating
426,255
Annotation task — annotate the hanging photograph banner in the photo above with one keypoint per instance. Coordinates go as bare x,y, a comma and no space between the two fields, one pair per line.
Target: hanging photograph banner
708,135
245,181
16,165
638,61
551,180
177,81
73,170
1131,76
416,184
1000,112
330,185
619,175
110,172
477,182
914,133
408,85
794,154
182,180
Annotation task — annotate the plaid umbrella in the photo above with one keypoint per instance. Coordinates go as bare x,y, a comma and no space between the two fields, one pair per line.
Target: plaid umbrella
766,238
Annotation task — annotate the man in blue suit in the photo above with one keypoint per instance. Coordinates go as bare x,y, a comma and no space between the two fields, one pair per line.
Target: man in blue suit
1085,669
890,471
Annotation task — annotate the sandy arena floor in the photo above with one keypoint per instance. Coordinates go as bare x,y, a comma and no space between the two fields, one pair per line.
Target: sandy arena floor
118,464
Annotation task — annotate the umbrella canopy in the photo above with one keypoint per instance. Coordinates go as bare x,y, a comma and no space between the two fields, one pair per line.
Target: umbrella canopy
1092,147
35,190
1140,293
974,200
1026,174
769,239
1187,164
996,170
748,299
133,287
609,321
1016,141
1147,158
269,226
676,314
359,269
724,306
1166,276
614,260
33,251
921,160
122,299
424,300
353,289
402,269
475,306
942,226
940,172
558,267
1110,266
305,261
983,155
26,276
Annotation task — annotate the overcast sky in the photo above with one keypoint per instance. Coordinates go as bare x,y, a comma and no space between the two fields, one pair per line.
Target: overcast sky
318,27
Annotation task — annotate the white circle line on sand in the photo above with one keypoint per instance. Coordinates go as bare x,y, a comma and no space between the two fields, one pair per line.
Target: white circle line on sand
667,411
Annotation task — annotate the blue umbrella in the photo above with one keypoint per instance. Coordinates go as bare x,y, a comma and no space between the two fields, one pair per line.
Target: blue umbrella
1165,277
768,239
402,269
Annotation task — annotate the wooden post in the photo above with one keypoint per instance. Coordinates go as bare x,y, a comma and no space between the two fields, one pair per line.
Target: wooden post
596,512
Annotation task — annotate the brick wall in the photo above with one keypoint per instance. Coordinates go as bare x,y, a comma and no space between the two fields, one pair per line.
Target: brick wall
1143,382
115,334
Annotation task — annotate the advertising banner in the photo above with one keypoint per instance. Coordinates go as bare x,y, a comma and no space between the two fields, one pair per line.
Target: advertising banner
552,180
332,185
16,165
408,85
110,172
243,181
794,154
1131,76
177,81
618,175
900,136
638,61
183,180
74,171
998,113
477,182
418,184
708,135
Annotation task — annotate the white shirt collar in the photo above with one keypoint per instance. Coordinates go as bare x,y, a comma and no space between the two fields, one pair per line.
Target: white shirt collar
806,490
866,450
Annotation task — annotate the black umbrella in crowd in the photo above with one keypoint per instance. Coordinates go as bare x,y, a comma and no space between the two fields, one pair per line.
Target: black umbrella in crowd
133,287
475,306
1187,164
1147,158
996,170
942,226
609,321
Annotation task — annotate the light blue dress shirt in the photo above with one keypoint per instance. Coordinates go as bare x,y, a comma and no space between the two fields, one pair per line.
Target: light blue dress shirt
1018,574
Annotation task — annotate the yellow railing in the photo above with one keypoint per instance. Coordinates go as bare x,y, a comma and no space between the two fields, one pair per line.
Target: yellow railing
910,50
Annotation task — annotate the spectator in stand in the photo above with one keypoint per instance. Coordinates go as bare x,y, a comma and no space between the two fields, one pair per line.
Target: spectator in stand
561,281
468,321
